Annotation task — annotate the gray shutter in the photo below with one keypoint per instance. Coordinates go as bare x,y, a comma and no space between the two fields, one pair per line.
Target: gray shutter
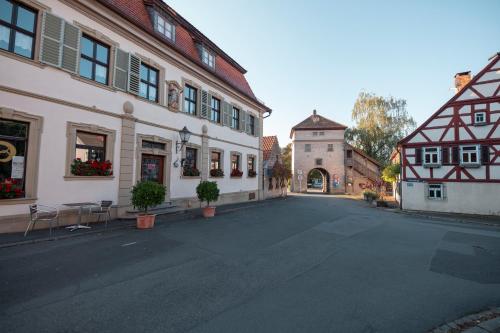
134,72
71,48
426,191
226,112
444,195
243,121
257,126
247,129
120,74
209,106
204,104
52,36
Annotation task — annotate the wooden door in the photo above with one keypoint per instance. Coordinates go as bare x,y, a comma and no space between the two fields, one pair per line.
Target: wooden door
152,168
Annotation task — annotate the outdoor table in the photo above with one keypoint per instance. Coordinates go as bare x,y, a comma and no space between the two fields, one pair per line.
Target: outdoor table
81,206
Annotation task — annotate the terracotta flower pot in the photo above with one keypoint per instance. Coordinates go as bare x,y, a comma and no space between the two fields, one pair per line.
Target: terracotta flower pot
145,221
208,212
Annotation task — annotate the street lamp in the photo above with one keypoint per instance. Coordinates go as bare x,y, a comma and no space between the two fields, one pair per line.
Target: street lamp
184,134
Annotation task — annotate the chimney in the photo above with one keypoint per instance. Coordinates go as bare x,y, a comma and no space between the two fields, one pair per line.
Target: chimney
461,79
314,112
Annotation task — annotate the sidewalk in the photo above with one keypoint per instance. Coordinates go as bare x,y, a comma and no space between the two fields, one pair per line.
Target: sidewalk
14,239
483,322
453,217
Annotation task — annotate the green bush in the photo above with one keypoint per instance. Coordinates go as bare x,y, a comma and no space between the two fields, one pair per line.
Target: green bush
147,194
207,191
391,172
370,195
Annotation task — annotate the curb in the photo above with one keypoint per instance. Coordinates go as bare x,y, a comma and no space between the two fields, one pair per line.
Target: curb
443,218
128,224
482,322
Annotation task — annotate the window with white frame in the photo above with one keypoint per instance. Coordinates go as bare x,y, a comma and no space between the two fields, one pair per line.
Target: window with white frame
469,155
165,27
479,117
321,133
208,58
435,191
315,133
307,147
431,156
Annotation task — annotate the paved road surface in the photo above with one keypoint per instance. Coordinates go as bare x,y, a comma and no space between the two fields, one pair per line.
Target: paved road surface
306,264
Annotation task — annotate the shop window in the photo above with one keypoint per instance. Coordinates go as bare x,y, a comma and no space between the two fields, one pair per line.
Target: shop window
13,158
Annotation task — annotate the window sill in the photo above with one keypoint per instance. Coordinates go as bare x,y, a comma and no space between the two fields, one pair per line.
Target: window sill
191,177
71,177
22,59
17,201
147,100
480,124
236,177
431,165
470,165
92,82
219,177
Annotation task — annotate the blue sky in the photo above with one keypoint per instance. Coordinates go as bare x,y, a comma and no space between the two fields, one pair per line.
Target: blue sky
318,54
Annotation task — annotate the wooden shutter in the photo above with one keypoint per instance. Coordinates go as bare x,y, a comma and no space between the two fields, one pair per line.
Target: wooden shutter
71,48
226,112
455,155
243,121
204,105
445,156
247,130
134,72
256,126
52,37
418,156
485,155
120,73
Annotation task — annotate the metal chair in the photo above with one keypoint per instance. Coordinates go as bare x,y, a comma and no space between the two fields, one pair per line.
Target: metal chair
42,213
103,210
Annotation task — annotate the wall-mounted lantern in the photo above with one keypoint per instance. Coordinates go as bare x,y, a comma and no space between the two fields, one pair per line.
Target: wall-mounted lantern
184,134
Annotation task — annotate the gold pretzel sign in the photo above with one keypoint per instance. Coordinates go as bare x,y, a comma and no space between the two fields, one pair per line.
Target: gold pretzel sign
7,151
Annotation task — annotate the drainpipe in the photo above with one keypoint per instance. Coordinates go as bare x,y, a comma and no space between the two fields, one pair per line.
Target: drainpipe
400,184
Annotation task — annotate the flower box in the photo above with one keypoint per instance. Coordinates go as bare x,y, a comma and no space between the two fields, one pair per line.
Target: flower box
218,173
236,173
91,168
252,173
11,189
189,171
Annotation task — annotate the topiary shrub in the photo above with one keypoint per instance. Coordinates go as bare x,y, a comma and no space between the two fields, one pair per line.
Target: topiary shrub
207,191
147,194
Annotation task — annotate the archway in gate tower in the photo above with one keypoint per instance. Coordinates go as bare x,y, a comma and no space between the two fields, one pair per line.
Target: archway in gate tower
318,181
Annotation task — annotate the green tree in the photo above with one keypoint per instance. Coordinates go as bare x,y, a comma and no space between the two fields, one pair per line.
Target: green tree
391,172
286,154
380,123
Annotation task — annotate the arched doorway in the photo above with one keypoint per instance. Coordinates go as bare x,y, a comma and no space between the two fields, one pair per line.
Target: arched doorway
318,181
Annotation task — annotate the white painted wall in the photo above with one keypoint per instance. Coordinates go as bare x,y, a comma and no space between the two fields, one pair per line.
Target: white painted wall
466,198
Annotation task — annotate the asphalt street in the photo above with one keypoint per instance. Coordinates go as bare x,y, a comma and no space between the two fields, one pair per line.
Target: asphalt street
310,263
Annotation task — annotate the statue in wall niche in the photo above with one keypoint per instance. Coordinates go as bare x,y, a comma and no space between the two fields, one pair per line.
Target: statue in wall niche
174,95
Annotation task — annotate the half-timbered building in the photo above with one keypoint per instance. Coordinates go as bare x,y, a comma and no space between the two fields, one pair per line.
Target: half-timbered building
451,163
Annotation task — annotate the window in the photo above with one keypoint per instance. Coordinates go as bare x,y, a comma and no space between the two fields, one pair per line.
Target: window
469,155
165,27
153,145
307,147
270,180
319,161
208,58
148,88
330,147
349,153
315,133
235,118
191,157
235,162
251,163
17,28
190,99
252,124
431,156
215,160
321,133
13,158
479,117
90,146
435,191
94,60
215,114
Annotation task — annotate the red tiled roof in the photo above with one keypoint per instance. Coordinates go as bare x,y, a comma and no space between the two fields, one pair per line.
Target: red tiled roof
317,122
267,145
186,35
362,153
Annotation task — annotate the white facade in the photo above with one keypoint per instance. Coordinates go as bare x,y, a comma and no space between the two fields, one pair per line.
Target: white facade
451,163
57,99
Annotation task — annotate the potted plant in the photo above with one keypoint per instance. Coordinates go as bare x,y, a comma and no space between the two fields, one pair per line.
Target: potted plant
189,171
145,195
209,192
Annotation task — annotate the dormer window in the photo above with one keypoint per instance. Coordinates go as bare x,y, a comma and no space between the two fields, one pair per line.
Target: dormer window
208,58
164,27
